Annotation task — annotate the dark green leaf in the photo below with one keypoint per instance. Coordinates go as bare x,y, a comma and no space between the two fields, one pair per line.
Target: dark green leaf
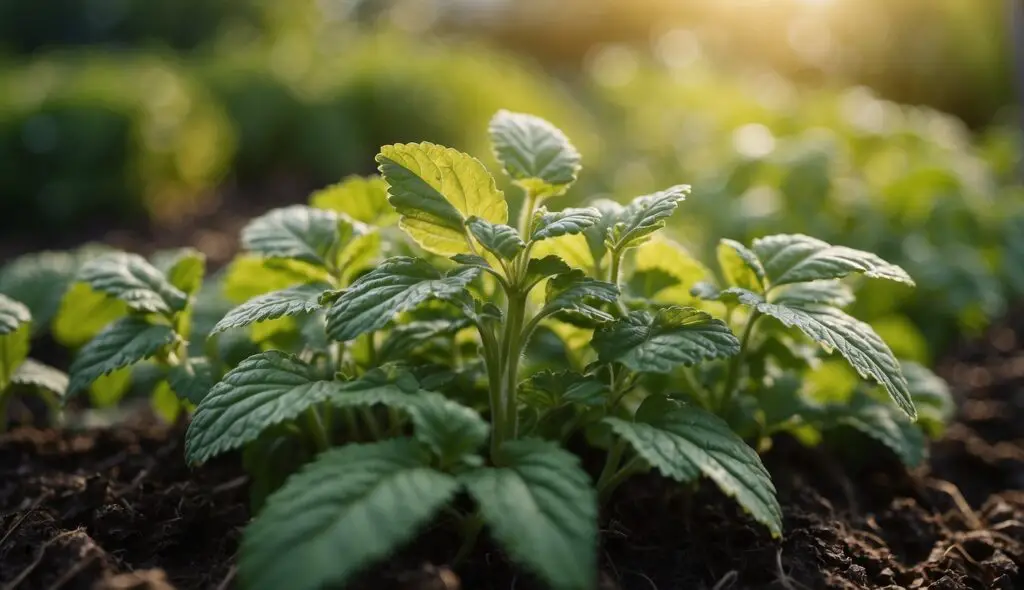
122,343
549,389
297,232
644,216
535,153
499,239
192,381
133,280
795,258
300,300
884,423
547,224
575,292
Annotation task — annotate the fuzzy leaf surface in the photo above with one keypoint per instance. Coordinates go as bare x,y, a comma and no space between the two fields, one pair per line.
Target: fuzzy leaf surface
684,442
534,153
35,374
658,342
741,266
497,238
349,508
553,224
296,232
133,280
293,301
194,381
122,343
796,258
575,292
397,285
645,215
541,507
363,198
435,189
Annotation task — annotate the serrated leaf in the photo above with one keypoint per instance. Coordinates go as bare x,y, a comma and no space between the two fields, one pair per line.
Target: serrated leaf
122,343
541,507
833,293
357,253
347,509
659,342
248,276
834,329
404,339
684,442
293,301
550,389
435,189
535,153
740,266
39,281
268,389
796,258
554,224
575,293
596,236
192,381
187,270
501,240
885,424
130,278
363,198
660,254
35,374
397,285
15,334
645,215
538,269
83,313
452,431
296,232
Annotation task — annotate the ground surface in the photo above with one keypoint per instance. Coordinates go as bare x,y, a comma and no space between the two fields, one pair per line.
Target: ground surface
119,509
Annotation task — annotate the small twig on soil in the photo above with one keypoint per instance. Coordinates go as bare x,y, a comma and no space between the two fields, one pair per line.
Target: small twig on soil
958,499
227,579
72,572
784,579
36,560
727,580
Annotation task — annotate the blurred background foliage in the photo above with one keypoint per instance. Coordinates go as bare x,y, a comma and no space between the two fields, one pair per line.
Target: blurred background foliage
885,125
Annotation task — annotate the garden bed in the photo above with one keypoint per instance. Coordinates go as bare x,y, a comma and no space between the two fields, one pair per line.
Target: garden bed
118,508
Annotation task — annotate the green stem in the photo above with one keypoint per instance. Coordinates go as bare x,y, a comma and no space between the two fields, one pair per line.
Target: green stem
526,215
512,342
604,491
316,426
611,463
471,527
371,351
371,423
733,375
494,386
613,278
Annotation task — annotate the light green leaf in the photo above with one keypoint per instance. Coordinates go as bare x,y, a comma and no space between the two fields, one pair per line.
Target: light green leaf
130,278
297,232
187,270
453,431
165,404
83,313
122,343
796,258
39,280
35,374
535,153
659,342
109,389
347,509
397,285
15,334
560,223
664,255
435,189
855,340
267,389
885,424
550,389
293,301
575,293
833,293
683,442
542,508
741,266
501,240
363,198
357,253
248,276
192,381
644,216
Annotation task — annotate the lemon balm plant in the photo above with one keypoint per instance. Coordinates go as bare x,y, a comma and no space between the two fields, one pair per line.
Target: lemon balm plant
402,381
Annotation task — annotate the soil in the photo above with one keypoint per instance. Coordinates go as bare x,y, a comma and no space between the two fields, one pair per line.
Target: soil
118,509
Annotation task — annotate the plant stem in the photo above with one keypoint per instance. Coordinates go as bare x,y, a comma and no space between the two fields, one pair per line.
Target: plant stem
371,351
611,463
604,491
371,423
317,427
471,526
733,374
699,390
613,277
512,348
526,215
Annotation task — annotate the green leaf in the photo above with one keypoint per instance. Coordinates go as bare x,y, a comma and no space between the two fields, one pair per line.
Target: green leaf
453,431
248,276
796,258
268,389
435,189
15,334
855,340
293,301
404,339
647,284
885,424
660,254
35,374
165,403
192,381
560,223
187,270
550,389
683,442
932,398
109,389
833,293
644,216
39,280
542,508
122,343
130,278
357,253
659,342
397,285
297,232
501,240
347,509
741,266
535,153
574,292
538,269
597,235
83,313
363,198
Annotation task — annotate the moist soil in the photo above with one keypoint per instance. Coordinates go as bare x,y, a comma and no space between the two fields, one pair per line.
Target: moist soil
117,508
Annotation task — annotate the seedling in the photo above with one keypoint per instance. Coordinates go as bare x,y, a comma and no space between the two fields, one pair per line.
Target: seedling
18,373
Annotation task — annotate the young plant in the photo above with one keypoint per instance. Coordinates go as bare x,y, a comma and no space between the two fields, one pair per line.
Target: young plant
18,373
382,382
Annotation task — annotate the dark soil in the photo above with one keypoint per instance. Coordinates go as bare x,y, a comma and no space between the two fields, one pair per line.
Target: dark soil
118,508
